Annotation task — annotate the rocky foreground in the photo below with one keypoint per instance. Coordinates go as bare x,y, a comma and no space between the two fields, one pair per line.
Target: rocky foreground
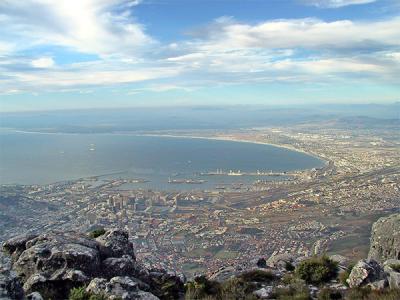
76,266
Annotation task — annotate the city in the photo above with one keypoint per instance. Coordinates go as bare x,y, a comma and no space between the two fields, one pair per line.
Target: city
307,212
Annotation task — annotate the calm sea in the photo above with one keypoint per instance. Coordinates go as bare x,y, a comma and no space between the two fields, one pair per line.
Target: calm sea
34,158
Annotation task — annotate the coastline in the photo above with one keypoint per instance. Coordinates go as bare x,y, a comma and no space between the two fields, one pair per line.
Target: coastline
228,139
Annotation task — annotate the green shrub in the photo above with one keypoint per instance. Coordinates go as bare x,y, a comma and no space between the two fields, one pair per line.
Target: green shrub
329,294
97,232
81,294
317,270
257,276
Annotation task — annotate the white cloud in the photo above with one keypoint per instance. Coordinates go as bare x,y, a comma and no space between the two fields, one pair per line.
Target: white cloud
103,27
43,62
336,3
304,33
225,52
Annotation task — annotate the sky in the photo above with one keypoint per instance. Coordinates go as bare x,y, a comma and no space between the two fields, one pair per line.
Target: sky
68,54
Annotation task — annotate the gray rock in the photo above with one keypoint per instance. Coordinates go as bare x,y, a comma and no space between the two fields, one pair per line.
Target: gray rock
391,267
165,285
264,293
54,262
343,262
97,286
394,280
115,243
390,264
379,284
281,261
365,272
119,288
123,266
385,239
34,296
10,286
224,273
16,245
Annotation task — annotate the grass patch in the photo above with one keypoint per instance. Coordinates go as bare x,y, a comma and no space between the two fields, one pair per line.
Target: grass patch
296,291
368,294
329,294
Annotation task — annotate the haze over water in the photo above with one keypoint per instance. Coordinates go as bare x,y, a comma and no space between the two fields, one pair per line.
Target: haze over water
34,158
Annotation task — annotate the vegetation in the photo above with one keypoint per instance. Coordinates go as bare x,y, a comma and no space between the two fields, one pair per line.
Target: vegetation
289,267
238,288
296,291
329,294
257,276
368,294
202,288
345,275
97,232
81,294
317,270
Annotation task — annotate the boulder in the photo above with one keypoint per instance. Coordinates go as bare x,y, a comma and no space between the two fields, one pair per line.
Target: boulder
115,243
224,273
16,245
281,261
392,268
365,272
34,296
264,293
385,239
10,286
54,262
57,261
165,285
342,261
120,266
124,288
378,285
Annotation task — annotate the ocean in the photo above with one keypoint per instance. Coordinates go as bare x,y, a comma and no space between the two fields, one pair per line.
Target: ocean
38,158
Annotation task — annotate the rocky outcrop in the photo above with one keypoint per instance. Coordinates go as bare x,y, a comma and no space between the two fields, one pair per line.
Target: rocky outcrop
392,268
385,239
367,272
115,243
10,286
124,288
51,264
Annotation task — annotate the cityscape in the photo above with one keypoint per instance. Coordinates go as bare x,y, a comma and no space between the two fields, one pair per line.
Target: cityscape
304,213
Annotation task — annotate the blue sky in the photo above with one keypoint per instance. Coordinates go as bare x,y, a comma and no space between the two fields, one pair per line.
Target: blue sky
123,53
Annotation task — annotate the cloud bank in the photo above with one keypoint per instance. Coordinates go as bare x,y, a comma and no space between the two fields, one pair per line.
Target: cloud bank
226,51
